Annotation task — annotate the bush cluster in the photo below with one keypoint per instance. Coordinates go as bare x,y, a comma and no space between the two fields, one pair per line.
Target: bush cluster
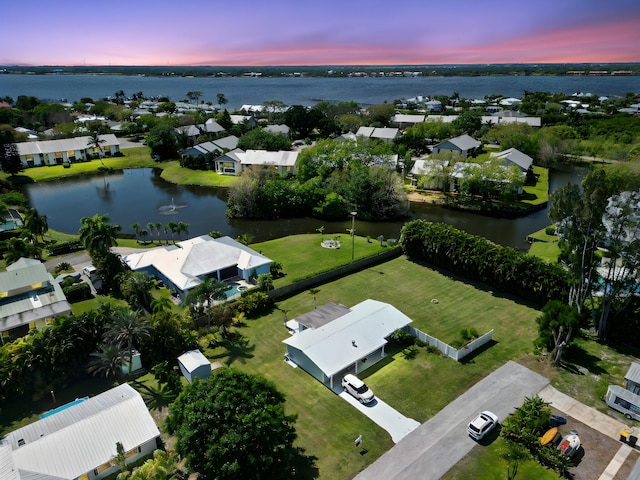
476,258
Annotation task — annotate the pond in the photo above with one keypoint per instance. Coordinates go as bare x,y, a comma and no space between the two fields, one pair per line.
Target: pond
141,196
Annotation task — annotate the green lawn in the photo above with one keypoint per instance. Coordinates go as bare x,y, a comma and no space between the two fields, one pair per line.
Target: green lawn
418,387
132,158
302,255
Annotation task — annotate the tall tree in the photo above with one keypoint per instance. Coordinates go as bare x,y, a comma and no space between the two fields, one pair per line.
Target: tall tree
206,293
222,100
127,329
9,156
36,224
233,425
556,326
95,142
97,234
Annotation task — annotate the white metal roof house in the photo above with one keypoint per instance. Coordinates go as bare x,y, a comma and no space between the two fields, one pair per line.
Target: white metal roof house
404,120
386,134
193,364
29,296
513,156
463,144
352,341
66,150
281,129
78,441
284,161
184,265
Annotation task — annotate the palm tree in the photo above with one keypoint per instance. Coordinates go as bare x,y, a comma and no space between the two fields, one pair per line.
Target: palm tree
182,227
314,292
97,234
150,227
208,291
127,328
158,227
36,224
266,281
94,141
244,239
107,360
136,229
172,227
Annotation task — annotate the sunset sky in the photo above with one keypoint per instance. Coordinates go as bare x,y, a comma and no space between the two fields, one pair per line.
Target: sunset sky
301,32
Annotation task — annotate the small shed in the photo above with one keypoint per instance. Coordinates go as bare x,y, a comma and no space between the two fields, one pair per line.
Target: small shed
193,364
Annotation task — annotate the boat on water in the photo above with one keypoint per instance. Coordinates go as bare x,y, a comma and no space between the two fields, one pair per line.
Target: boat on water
570,444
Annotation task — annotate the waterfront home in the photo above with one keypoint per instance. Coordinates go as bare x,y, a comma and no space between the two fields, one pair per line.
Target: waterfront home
79,441
29,298
513,156
66,150
403,120
186,264
237,161
216,147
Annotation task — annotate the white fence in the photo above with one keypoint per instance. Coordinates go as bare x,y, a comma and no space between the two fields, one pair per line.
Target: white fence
448,350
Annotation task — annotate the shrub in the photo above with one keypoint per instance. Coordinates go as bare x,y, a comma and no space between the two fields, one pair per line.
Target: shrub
77,292
62,267
65,247
14,198
550,230
255,303
402,338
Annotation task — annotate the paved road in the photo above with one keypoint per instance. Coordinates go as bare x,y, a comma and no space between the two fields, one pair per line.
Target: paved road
385,416
432,449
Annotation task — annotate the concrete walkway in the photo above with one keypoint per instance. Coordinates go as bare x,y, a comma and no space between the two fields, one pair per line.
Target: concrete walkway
430,450
385,416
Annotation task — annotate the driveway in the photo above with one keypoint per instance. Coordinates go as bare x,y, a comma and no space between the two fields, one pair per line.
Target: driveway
385,416
430,450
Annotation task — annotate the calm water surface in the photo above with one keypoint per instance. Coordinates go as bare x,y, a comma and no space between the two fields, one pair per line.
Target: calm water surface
141,196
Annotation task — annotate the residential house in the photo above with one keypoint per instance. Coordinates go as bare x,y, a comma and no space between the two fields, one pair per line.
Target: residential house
385,134
211,126
513,156
229,163
78,441
216,147
432,173
463,144
283,161
29,297
433,106
402,120
281,129
67,150
186,264
334,340
240,119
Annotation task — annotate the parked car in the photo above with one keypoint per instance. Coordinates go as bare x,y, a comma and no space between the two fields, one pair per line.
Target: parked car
89,271
480,426
356,387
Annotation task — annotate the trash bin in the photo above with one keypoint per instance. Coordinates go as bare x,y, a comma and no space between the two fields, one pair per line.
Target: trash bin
633,440
624,436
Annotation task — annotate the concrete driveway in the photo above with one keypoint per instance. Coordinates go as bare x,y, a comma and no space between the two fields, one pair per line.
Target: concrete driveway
430,450
385,416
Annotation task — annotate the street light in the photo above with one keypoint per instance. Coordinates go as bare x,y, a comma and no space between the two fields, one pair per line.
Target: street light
353,233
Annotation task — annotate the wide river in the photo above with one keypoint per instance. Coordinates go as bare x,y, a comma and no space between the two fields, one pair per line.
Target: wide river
306,90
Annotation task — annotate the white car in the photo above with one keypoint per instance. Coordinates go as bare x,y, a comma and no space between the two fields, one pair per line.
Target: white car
482,425
356,387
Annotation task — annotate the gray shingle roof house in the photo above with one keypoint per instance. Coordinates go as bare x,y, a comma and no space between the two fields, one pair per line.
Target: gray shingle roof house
78,441
513,156
57,152
344,341
281,129
184,265
29,296
218,146
464,144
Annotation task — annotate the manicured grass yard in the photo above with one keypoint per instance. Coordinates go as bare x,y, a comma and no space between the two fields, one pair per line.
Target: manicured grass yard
418,387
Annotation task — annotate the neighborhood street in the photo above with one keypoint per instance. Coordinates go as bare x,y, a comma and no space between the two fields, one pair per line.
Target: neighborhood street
432,449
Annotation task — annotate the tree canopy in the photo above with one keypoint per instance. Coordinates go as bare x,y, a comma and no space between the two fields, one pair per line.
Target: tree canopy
233,426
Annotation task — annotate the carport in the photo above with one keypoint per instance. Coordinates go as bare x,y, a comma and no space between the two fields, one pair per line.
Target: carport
351,342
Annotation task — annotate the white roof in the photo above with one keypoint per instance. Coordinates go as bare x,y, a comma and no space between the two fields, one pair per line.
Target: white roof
262,157
428,166
514,155
407,118
340,343
188,260
76,440
193,359
63,145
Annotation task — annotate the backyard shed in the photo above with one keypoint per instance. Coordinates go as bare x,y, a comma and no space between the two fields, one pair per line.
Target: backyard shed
350,342
193,364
